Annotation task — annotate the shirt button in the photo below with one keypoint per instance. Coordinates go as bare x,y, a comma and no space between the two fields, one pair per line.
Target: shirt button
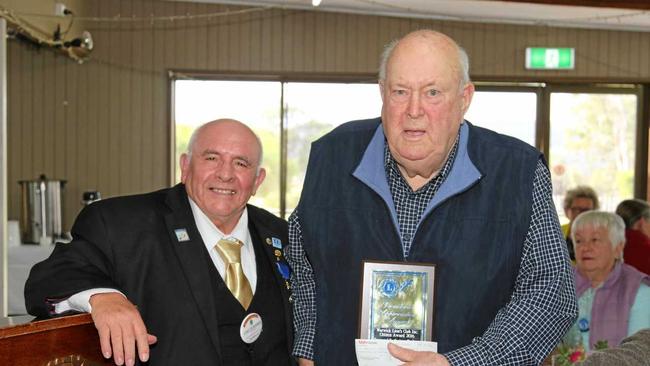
407,237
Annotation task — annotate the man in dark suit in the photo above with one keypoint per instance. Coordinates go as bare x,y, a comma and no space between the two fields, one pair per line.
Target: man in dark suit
190,275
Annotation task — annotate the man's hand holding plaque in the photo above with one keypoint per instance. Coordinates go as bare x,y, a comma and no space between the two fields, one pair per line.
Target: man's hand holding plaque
396,305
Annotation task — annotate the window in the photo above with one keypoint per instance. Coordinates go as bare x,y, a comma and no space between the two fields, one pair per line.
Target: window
310,110
592,143
313,109
509,113
252,102
589,136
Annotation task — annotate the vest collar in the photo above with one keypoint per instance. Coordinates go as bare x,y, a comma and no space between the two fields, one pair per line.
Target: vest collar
372,173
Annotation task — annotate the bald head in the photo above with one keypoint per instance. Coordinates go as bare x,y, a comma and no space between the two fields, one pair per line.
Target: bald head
439,43
226,124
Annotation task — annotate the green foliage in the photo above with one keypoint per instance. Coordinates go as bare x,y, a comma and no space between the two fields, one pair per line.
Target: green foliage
600,345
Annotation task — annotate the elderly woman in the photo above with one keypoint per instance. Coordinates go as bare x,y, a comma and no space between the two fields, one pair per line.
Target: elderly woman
636,214
613,298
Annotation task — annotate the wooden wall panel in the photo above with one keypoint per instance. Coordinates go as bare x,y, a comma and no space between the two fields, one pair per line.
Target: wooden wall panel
105,124
15,140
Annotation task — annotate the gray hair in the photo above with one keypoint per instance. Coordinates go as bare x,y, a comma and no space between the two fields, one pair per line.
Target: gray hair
633,210
581,192
195,135
463,61
600,219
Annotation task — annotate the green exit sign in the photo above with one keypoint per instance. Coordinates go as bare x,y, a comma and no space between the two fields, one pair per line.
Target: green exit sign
542,58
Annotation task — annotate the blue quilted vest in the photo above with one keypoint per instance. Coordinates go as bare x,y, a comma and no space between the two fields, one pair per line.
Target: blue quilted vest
473,230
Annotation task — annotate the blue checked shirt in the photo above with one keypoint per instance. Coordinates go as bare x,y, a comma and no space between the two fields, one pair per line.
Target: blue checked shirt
507,340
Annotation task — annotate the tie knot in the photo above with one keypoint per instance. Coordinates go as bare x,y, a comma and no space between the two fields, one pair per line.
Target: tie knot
229,250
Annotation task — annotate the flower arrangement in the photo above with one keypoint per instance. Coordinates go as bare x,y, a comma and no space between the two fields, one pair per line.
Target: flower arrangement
567,356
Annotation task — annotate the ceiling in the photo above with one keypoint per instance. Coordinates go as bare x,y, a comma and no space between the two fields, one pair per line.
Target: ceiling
633,15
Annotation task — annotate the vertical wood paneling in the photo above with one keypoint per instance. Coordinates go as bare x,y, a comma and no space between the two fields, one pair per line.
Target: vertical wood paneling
143,61
77,138
340,55
112,118
520,52
245,42
583,64
159,99
113,133
351,45
212,40
371,26
15,122
201,39
326,33
634,53
265,35
235,54
319,39
88,105
179,39
277,42
299,44
126,120
36,124
478,56
601,42
222,46
644,46
64,167
103,104
138,74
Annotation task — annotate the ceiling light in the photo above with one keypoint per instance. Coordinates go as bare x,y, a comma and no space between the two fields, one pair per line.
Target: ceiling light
315,2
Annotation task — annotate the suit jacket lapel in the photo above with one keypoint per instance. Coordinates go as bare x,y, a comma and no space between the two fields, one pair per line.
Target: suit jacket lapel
266,234
191,256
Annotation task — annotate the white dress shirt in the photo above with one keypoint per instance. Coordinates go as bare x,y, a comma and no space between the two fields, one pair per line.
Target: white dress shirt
210,235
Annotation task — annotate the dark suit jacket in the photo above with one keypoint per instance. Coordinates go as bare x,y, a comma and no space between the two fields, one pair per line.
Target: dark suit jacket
130,244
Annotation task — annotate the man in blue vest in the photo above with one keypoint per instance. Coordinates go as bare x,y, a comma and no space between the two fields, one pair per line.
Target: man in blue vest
420,184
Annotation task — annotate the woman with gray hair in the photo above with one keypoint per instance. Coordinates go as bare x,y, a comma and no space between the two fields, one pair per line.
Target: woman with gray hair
613,298
636,214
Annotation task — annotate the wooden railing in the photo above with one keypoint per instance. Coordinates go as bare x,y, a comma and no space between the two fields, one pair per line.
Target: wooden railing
65,341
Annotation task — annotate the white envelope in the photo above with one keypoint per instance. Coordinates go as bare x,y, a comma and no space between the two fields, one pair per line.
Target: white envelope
374,352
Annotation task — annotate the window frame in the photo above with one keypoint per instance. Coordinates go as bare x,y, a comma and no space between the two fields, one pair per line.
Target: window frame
541,89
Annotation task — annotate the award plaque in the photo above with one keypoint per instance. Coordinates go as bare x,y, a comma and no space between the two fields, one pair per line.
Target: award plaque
397,301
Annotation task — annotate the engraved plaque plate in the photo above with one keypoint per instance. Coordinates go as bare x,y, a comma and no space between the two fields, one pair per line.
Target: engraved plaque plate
397,301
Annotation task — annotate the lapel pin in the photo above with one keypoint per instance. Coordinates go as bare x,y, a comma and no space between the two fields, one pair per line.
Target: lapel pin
268,241
181,235
278,253
276,243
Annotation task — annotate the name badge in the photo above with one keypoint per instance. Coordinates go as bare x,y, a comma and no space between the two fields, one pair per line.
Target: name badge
251,328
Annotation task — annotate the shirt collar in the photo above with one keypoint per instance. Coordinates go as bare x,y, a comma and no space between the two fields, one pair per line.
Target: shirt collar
211,234
393,172
371,171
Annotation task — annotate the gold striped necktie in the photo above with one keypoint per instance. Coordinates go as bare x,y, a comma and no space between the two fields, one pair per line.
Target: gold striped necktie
230,252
